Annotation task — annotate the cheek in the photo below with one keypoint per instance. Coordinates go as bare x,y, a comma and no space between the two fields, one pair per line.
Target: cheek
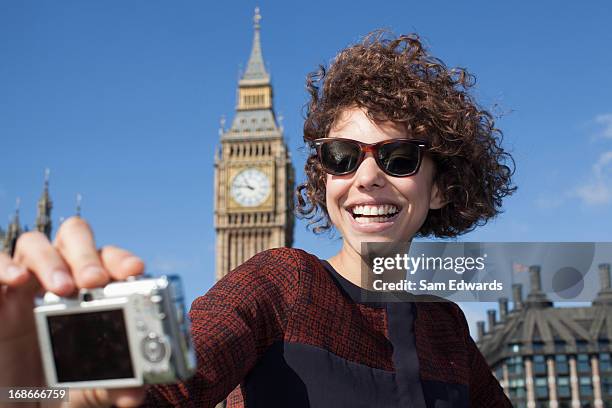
416,192
418,188
335,194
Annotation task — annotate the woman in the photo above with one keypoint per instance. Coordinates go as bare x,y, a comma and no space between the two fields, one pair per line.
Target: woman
399,149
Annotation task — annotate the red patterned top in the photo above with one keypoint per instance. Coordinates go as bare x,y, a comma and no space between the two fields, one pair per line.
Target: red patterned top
280,329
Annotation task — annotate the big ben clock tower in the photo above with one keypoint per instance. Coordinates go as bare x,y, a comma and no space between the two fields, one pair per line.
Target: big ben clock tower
253,173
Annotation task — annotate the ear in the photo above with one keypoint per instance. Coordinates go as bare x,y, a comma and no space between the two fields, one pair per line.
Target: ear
435,198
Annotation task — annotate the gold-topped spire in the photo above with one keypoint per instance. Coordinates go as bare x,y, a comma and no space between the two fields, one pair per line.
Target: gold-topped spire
254,99
256,18
255,73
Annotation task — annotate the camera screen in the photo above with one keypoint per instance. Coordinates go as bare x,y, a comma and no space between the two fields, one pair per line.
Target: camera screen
90,346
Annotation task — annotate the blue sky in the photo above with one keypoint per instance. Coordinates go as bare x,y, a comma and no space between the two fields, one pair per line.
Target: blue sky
122,100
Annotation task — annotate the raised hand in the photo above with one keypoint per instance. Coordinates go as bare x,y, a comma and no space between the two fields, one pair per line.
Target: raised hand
71,262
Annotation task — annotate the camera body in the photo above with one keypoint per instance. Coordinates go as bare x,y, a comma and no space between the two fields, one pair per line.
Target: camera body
122,335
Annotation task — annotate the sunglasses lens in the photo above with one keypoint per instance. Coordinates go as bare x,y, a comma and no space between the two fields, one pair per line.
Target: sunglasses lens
339,156
399,158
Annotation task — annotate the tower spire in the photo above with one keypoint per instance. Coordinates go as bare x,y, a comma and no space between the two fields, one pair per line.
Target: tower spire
14,231
43,218
254,105
79,198
256,73
16,216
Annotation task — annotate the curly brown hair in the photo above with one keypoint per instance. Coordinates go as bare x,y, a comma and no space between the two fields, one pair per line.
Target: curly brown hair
395,78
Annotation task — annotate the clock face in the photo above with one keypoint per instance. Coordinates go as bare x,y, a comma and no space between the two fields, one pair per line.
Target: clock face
250,187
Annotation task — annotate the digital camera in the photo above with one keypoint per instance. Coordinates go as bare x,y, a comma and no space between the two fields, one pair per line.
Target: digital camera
122,335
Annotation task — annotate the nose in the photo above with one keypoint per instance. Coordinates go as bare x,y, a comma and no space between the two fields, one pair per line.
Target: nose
369,176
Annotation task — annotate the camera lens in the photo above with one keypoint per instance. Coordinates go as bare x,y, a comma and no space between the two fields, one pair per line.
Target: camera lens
87,297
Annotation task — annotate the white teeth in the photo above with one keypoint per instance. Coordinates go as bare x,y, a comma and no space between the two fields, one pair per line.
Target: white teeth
369,220
374,209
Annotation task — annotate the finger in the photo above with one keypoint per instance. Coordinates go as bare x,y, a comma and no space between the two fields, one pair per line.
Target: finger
11,274
128,397
34,251
76,244
122,397
121,263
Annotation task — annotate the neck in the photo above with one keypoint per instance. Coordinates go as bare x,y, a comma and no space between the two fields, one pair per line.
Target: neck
347,263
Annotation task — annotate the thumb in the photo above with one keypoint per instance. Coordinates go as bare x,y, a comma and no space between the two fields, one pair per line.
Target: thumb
106,398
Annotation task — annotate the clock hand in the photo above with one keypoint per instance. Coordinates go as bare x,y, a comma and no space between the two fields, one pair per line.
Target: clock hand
244,185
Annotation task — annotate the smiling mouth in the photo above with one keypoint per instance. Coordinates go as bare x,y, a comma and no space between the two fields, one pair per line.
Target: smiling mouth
367,214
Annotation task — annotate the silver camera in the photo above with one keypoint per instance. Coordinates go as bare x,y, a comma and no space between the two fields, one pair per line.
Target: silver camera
122,335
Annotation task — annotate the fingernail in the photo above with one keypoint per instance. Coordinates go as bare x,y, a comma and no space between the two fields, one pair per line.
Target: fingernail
13,271
61,280
93,273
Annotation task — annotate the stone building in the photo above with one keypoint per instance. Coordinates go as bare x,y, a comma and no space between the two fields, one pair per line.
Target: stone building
8,239
554,357
253,172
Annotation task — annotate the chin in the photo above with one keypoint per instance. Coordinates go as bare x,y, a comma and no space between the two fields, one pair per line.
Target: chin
356,242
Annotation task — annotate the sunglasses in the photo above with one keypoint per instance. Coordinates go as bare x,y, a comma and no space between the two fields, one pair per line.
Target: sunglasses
396,157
